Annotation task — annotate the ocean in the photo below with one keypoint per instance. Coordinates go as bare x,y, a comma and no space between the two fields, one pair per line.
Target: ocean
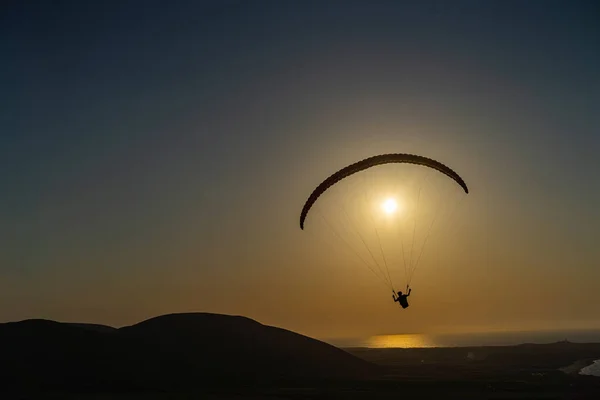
476,339
469,339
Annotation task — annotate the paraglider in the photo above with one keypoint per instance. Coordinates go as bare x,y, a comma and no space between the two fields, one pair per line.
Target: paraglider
402,298
358,219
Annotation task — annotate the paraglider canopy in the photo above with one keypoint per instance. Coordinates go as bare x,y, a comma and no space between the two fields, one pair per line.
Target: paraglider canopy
372,162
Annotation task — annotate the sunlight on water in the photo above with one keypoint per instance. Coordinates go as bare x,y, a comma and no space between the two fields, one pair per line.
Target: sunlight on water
470,339
401,341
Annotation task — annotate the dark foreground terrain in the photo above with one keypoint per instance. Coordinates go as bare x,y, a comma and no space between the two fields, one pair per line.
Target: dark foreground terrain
211,356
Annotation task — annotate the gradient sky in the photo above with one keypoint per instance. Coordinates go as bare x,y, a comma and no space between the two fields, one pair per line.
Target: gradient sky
155,155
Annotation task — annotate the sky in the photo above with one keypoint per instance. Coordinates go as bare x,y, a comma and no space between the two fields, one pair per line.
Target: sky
155,156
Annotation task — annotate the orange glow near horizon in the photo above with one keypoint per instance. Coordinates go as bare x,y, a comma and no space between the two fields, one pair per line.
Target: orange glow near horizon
399,341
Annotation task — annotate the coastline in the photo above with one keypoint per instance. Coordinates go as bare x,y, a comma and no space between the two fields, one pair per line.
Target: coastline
591,370
577,366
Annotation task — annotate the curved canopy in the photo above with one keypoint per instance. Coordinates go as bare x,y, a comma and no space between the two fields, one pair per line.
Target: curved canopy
374,161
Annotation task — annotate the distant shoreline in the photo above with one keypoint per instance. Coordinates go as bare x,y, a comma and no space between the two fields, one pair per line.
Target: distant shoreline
590,367
466,347
562,357
577,366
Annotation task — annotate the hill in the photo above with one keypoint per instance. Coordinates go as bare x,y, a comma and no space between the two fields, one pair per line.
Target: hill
171,351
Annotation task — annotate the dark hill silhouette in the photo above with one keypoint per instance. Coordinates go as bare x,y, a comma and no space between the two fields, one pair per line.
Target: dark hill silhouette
168,352
243,348
94,327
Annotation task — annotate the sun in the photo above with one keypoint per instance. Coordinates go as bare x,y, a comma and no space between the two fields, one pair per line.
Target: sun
389,206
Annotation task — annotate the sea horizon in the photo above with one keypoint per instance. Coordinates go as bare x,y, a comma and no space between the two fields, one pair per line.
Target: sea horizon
468,339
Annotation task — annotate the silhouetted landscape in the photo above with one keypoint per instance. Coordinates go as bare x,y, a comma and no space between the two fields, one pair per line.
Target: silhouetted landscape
172,351
224,356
